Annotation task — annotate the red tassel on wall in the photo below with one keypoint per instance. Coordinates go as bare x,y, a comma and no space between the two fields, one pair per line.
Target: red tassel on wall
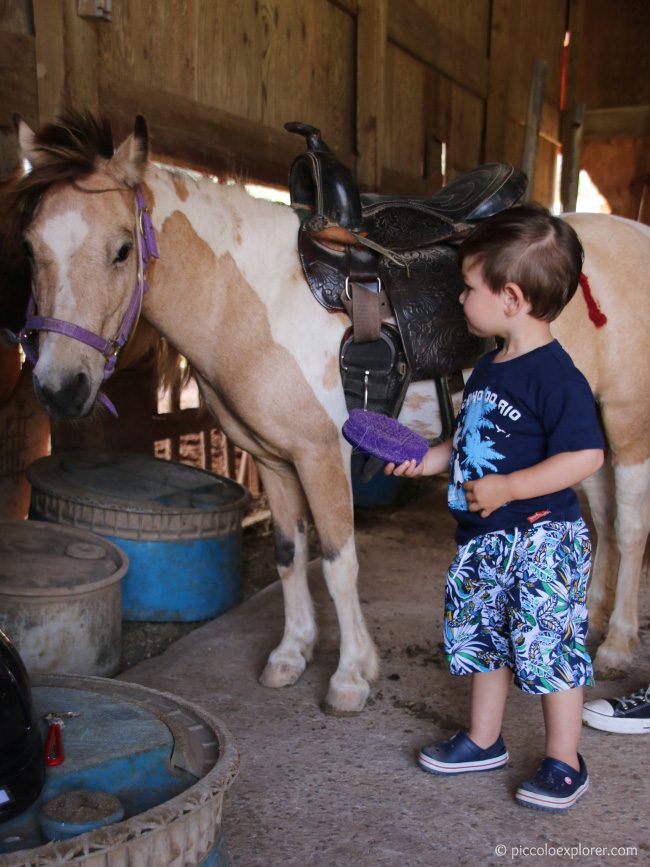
595,313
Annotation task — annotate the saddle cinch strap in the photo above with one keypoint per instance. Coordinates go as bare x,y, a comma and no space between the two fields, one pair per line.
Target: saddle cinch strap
408,241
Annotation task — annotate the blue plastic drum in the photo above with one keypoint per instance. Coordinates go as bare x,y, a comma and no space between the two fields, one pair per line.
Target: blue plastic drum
180,526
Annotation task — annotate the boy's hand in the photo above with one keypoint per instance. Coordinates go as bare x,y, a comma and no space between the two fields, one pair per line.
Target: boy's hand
488,494
408,468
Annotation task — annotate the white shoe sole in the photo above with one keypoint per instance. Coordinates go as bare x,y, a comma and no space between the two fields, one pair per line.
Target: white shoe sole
615,724
433,766
548,802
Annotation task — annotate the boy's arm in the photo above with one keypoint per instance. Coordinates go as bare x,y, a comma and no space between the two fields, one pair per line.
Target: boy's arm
560,471
434,461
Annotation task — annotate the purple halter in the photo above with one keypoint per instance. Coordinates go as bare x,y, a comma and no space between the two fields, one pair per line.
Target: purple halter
147,248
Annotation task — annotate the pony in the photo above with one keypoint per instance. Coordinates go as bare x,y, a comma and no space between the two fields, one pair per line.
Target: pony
227,291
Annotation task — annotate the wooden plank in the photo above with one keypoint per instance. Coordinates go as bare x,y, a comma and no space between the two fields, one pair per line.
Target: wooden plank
152,43
410,27
66,57
371,81
499,79
18,90
280,60
202,137
16,16
405,130
404,184
615,66
522,31
467,19
631,120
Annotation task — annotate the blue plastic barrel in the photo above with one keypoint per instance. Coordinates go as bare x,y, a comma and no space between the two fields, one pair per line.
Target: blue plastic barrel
180,526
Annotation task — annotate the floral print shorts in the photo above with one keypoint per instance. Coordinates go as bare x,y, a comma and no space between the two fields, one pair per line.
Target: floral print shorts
519,599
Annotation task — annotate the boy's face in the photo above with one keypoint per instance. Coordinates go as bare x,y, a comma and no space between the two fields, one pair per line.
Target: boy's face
483,308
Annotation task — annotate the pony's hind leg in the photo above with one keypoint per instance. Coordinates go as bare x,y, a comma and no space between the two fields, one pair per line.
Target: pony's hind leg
632,526
600,492
290,521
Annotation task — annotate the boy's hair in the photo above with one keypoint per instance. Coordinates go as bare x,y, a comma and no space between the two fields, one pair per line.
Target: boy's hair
528,246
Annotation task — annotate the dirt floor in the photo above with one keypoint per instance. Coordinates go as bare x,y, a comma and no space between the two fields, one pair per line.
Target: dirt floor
322,791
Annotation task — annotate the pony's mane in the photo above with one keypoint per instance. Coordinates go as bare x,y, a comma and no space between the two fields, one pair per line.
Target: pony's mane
68,149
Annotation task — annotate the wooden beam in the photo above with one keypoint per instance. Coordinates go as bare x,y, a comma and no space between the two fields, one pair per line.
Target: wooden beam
632,120
371,65
205,138
414,30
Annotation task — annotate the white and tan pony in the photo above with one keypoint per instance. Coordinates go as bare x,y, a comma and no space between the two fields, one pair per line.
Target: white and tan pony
228,292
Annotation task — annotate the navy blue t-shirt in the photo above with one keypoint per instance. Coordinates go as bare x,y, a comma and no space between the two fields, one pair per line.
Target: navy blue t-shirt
515,414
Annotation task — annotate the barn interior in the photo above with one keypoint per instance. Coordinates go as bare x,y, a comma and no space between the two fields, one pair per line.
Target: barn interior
409,94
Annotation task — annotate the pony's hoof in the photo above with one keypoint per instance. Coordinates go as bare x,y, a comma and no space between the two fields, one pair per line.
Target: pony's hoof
346,700
614,659
279,674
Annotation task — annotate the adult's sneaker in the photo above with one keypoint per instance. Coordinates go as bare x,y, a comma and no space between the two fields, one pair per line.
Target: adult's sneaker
460,755
555,787
629,715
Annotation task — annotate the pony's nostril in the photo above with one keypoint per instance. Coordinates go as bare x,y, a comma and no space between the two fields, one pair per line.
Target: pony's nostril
68,400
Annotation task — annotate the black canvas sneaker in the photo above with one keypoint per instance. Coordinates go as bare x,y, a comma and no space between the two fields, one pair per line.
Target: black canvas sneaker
628,716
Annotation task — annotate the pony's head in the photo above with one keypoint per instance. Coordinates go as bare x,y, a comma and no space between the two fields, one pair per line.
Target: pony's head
75,215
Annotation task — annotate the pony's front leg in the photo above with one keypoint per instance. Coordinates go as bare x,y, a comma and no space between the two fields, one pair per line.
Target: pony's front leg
328,489
290,521
358,659
632,526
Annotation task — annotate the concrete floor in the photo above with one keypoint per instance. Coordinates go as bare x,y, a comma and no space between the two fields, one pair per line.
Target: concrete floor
329,792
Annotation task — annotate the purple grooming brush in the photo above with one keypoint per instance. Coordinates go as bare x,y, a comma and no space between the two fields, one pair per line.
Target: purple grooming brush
383,437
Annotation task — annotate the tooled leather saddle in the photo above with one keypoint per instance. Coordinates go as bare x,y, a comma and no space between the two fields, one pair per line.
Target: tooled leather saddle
392,258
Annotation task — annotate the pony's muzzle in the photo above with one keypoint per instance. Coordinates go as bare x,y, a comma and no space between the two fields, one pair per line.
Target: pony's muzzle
67,401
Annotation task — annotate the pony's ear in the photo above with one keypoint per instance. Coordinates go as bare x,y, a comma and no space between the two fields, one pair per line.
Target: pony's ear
129,160
27,149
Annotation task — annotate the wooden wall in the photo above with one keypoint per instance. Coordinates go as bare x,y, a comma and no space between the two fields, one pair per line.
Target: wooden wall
391,83
614,85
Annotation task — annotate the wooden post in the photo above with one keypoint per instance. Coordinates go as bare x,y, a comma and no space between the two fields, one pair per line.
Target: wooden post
533,121
372,31
573,112
571,150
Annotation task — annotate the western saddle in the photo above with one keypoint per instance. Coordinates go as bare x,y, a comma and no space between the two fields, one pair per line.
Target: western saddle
393,258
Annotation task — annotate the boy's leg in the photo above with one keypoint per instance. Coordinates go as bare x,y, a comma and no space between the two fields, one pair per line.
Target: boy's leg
487,703
563,721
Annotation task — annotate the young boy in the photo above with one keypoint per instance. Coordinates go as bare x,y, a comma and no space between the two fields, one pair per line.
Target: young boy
527,431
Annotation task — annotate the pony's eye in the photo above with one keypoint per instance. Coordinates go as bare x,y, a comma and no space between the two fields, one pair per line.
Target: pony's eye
123,253
29,250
